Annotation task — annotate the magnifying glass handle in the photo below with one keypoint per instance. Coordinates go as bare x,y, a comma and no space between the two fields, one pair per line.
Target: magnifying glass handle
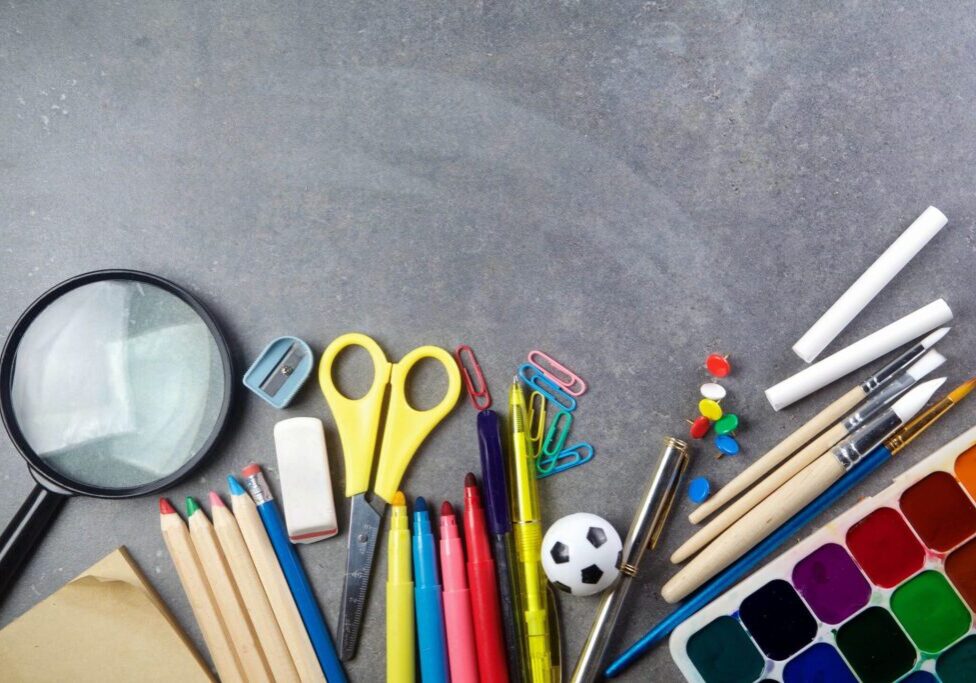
24,531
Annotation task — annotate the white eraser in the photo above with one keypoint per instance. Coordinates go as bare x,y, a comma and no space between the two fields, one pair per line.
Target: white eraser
306,486
866,287
859,354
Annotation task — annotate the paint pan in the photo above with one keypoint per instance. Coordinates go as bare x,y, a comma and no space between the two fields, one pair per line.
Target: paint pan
886,592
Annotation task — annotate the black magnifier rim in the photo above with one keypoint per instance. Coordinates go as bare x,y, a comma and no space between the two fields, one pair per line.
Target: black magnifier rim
6,383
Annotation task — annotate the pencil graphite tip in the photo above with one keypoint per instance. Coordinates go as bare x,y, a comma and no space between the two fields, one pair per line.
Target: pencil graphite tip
215,500
446,508
166,508
191,505
933,338
470,480
235,486
420,505
962,391
399,500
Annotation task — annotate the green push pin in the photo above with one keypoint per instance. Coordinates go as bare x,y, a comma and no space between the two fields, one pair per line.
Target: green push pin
727,424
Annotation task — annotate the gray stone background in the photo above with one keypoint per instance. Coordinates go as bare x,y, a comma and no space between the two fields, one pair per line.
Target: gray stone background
626,185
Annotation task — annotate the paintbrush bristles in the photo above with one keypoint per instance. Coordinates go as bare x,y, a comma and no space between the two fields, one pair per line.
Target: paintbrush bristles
962,390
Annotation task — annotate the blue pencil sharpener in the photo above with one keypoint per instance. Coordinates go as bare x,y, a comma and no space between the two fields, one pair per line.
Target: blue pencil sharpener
280,371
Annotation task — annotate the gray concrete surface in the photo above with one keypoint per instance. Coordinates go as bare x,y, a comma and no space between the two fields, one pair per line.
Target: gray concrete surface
627,185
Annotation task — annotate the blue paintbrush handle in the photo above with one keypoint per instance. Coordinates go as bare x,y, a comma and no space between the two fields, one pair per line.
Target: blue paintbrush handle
747,562
305,600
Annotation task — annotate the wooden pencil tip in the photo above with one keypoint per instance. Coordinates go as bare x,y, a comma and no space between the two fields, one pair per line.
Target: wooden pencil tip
166,508
215,500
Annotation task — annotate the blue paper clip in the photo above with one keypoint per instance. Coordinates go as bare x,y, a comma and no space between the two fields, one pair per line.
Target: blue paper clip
574,456
536,379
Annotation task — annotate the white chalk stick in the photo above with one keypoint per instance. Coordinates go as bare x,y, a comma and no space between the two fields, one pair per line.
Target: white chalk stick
866,287
306,486
859,354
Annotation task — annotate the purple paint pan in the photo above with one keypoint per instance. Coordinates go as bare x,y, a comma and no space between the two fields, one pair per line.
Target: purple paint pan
831,583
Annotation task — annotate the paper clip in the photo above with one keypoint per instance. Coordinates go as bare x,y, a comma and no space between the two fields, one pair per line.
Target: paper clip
536,420
558,373
533,376
556,436
477,388
574,456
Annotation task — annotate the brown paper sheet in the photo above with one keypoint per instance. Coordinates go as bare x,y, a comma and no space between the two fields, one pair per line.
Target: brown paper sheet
108,624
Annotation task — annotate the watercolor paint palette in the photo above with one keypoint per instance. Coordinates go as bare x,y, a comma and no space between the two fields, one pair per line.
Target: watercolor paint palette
885,592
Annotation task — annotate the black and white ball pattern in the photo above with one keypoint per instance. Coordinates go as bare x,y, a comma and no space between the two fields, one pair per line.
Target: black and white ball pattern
580,553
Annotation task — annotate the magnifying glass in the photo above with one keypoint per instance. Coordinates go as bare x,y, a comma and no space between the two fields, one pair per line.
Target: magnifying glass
113,384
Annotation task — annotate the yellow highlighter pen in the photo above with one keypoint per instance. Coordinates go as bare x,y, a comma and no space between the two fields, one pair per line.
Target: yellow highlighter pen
400,664
526,524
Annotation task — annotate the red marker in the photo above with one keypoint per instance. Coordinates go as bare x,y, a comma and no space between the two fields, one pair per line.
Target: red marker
484,591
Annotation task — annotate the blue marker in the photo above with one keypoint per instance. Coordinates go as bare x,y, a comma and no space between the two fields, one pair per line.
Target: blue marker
431,639
301,590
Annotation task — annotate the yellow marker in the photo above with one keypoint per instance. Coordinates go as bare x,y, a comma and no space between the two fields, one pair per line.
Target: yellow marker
528,543
399,598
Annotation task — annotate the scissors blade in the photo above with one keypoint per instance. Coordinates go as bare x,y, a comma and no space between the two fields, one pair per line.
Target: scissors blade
364,528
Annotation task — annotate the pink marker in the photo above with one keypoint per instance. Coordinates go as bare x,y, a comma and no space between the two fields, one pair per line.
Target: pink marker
461,655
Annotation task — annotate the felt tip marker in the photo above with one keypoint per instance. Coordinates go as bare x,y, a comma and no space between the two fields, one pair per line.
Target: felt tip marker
488,640
457,602
494,478
400,639
431,641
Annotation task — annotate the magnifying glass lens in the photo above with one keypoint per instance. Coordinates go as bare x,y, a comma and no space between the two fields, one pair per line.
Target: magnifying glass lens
117,384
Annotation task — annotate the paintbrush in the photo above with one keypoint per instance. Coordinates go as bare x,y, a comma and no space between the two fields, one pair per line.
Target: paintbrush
792,496
878,457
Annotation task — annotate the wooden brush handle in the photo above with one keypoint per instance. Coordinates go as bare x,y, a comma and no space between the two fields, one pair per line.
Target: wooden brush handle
780,452
760,492
755,525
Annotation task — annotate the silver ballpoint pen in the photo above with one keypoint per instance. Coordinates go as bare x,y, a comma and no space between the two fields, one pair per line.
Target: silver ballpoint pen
645,529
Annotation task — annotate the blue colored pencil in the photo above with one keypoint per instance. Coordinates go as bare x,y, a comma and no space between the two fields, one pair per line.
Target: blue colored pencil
747,562
297,580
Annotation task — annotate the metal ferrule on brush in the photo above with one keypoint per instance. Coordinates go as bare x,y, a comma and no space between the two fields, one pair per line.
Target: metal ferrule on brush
882,376
876,401
850,451
257,486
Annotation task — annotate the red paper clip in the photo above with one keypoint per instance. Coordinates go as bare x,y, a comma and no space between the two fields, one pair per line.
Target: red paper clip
477,388
557,372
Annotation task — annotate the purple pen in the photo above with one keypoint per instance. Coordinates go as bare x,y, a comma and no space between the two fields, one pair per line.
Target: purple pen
495,484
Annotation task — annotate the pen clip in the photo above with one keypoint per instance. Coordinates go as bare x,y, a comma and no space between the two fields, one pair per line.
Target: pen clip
476,387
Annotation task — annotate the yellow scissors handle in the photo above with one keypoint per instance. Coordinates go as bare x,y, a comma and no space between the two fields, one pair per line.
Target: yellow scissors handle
357,419
406,427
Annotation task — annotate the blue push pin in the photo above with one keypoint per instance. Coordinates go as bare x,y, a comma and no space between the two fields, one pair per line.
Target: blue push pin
726,445
699,490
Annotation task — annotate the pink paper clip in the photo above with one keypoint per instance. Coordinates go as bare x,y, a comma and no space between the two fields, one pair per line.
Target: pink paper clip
557,372
477,388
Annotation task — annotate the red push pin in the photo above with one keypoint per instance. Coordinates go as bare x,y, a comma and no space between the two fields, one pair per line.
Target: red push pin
699,428
718,365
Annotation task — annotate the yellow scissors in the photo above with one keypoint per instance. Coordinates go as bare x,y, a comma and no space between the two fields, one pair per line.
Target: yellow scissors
358,422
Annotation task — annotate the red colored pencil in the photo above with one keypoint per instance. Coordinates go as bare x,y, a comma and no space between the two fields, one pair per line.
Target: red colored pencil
484,592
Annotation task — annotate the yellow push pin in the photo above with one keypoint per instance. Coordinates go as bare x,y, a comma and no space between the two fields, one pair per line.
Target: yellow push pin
710,409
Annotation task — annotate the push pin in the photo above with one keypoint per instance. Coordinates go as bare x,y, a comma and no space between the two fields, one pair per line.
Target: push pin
699,490
726,445
710,409
727,424
718,365
699,428
713,391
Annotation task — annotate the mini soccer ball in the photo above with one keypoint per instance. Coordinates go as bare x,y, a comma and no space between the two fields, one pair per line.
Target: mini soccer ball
580,553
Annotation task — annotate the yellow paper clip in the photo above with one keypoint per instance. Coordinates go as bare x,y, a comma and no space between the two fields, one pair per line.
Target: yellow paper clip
537,421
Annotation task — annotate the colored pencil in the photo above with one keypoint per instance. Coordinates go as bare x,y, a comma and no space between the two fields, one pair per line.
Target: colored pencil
235,618
275,585
198,592
252,592
295,575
